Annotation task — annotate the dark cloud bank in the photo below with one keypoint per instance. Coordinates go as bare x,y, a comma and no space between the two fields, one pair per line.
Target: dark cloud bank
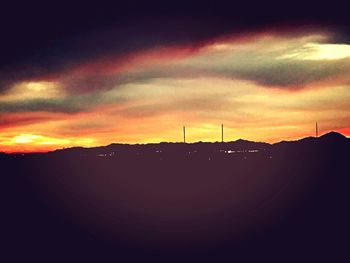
43,41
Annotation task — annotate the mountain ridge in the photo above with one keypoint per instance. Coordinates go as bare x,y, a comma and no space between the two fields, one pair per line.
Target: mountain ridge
330,138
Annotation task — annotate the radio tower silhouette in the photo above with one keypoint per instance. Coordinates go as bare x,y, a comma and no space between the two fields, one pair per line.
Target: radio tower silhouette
222,132
316,128
184,133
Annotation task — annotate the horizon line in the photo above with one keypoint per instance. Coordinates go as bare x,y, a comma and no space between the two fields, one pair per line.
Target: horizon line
169,142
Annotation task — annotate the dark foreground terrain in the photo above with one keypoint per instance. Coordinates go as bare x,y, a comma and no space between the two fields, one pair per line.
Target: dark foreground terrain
202,202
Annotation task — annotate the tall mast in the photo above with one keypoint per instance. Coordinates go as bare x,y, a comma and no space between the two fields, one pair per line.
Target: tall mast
222,132
184,133
316,130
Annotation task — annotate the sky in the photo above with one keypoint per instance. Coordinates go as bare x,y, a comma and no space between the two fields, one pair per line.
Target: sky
137,73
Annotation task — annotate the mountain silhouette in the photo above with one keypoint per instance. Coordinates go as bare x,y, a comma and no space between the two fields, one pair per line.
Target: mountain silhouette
205,150
334,137
327,140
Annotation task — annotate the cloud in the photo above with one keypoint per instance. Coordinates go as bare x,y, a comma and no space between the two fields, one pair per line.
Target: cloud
278,61
199,104
275,61
270,60
59,57
10,120
32,51
290,74
68,104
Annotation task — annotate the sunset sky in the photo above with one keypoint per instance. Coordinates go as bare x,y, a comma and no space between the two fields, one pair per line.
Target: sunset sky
141,82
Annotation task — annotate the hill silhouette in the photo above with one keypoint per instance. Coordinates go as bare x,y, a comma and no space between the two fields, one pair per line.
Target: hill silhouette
331,139
333,136
192,202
